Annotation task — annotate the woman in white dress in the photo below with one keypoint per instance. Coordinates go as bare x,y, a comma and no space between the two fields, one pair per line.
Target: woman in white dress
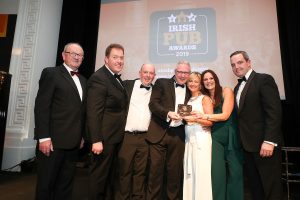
197,156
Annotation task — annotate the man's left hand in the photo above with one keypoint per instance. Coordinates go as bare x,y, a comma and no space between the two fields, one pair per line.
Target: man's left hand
266,150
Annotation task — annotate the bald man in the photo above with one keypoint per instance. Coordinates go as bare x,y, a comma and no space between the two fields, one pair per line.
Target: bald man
133,154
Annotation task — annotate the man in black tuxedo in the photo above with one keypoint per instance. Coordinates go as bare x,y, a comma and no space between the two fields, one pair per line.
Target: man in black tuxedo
166,135
133,154
106,118
59,125
259,115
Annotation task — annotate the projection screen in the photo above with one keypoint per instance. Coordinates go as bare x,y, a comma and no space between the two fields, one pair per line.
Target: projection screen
203,32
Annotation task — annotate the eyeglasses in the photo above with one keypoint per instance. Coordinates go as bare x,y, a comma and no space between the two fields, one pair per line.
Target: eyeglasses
184,73
74,55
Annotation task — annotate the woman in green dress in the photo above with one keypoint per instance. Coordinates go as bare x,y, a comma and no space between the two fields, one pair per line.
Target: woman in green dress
227,157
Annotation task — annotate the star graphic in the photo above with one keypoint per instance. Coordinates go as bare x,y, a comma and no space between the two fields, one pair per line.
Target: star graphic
172,18
192,17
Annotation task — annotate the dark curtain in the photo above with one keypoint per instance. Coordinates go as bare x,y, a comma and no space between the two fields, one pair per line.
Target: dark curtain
289,31
80,22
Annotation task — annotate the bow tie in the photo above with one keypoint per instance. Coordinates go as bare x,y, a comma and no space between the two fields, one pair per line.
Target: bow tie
74,73
179,85
117,76
146,87
240,80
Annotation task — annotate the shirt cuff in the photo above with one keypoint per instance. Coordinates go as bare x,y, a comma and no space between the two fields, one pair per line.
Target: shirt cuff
268,142
44,139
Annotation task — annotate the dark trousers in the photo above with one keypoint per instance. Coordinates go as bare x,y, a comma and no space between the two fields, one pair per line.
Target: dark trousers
166,162
264,175
132,164
55,174
102,173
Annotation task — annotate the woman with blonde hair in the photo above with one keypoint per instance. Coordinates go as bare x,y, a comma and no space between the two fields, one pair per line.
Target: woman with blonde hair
197,156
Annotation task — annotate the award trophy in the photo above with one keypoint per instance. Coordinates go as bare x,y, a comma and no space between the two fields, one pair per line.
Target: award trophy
184,110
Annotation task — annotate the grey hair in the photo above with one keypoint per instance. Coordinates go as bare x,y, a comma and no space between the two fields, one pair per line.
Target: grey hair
71,43
183,62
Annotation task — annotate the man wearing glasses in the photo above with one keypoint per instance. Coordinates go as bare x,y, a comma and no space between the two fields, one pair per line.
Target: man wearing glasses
166,135
59,124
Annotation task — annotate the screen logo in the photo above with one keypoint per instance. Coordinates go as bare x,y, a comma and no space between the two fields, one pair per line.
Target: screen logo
188,34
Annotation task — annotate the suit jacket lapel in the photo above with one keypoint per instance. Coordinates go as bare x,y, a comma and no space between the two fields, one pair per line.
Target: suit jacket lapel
113,80
69,79
129,84
245,90
187,92
171,86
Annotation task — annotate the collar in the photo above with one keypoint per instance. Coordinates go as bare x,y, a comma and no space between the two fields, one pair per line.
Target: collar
69,68
248,73
110,70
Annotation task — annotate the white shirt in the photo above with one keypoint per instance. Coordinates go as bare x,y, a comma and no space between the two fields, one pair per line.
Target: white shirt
76,80
180,97
241,87
139,114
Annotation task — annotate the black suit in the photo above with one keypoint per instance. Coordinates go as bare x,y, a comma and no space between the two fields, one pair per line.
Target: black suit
59,115
259,115
106,118
166,143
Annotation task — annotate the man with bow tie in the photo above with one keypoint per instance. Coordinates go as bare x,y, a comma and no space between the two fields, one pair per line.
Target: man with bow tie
133,153
59,124
166,135
259,117
106,118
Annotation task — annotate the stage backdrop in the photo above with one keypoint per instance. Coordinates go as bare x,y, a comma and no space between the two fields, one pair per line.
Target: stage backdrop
203,32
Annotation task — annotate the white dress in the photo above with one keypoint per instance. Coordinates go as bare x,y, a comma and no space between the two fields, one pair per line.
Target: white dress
197,158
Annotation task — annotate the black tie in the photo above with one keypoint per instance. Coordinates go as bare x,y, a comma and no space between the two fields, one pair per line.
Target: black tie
179,85
117,76
74,73
240,80
146,87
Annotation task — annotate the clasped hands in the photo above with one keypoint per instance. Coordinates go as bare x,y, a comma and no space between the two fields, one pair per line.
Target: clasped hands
190,119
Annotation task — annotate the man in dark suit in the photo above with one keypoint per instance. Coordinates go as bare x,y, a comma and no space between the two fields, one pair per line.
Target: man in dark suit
133,154
166,135
259,115
106,118
59,124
